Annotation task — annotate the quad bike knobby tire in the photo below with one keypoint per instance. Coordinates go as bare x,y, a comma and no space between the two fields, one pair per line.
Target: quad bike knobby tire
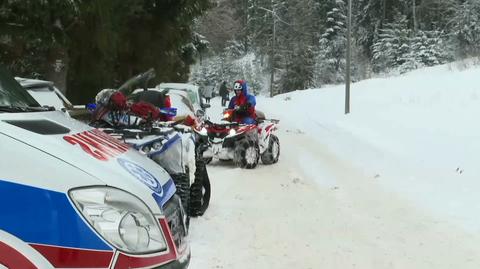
200,190
246,153
208,160
182,184
272,153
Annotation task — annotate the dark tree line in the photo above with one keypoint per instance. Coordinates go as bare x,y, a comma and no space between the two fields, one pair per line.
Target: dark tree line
87,45
310,38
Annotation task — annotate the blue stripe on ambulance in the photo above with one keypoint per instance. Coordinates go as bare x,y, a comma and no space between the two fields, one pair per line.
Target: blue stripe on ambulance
168,191
161,193
42,216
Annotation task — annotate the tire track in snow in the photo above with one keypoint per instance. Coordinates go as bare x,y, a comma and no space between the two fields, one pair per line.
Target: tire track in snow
384,231
325,215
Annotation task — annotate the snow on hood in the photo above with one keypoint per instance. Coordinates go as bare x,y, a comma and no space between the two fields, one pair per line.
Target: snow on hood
110,161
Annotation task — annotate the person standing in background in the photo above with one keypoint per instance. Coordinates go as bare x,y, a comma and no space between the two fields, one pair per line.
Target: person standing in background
207,93
223,92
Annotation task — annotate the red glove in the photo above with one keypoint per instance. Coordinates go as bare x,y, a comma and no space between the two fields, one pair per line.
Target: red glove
190,121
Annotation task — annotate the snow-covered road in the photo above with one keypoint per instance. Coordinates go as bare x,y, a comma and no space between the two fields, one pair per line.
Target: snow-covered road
394,184
315,210
290,216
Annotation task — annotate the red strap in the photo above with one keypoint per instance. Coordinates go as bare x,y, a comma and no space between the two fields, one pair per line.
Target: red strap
144,110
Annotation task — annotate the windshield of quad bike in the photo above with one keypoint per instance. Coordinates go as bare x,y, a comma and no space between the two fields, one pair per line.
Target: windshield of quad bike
138,81
181,103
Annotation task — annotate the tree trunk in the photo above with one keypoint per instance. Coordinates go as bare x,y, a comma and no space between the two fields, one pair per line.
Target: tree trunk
57,68
384,7
414,15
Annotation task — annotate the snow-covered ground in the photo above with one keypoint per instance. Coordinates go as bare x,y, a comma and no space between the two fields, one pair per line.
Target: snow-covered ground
393,184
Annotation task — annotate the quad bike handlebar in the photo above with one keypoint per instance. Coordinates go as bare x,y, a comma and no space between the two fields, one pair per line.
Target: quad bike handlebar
138,133
225,124
229,113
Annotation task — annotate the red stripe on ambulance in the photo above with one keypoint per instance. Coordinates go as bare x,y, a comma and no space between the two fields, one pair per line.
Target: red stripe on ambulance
11,258
97,144
61,257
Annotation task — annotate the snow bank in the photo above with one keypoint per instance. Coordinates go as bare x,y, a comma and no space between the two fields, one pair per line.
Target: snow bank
417,133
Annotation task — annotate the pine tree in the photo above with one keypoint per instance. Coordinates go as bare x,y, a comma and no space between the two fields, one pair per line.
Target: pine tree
100,43
298,74
300,38
392,45
332,46
467,27
33,37
397,47
430,49
435,15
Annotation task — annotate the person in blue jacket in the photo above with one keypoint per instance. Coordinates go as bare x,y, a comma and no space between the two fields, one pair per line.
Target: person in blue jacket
243,103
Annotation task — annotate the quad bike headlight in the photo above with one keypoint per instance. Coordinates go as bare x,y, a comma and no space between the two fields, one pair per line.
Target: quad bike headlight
151,147
120,218
156,145
146,149
232,132
203,131
227,115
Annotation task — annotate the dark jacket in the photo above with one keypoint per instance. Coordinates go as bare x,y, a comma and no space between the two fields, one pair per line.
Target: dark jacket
223,90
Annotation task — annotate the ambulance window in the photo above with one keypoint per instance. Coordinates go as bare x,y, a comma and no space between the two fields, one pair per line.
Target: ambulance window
12,94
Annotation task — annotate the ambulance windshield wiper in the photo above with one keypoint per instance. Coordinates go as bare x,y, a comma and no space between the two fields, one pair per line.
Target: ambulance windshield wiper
19,109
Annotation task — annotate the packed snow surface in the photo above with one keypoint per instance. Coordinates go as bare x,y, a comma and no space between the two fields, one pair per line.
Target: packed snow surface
393,184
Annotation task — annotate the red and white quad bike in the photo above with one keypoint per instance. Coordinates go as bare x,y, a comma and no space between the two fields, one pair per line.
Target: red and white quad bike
245,144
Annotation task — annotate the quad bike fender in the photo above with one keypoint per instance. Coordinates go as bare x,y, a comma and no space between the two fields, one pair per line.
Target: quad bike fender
188,142
265,130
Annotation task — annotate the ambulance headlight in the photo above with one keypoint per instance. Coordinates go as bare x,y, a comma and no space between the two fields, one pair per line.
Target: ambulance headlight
120,218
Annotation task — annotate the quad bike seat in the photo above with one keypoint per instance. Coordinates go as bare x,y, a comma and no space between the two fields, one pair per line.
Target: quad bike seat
260,116
153,97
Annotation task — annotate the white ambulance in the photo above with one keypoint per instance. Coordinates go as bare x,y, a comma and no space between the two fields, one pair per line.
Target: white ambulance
73,197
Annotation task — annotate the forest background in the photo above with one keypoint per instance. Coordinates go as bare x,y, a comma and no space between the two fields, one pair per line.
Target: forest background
85,45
